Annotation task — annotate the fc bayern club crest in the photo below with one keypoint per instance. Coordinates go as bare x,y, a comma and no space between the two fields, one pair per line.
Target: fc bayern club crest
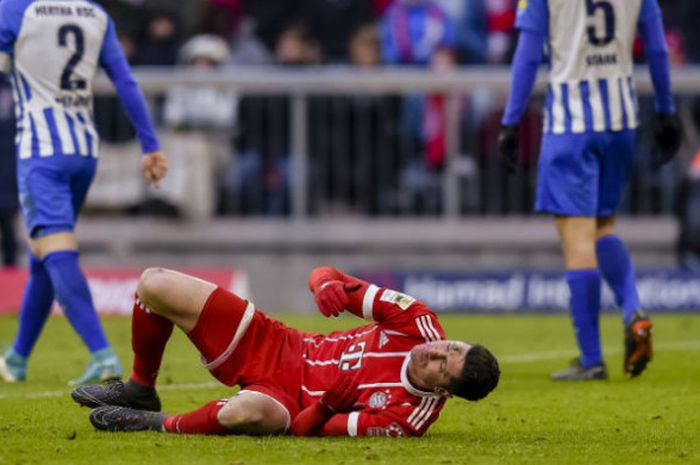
379,399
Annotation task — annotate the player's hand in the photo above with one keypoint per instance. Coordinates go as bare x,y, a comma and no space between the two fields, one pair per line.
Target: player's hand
668,135
155,165
508,145
341,396
331,298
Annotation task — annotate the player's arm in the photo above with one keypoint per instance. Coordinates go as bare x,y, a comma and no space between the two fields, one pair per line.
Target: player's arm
533,22
667,128
11,14
340,398
114,62
396,421
335,291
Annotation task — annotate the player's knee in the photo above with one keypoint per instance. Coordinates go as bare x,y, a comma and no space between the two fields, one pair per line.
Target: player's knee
240,417
152,283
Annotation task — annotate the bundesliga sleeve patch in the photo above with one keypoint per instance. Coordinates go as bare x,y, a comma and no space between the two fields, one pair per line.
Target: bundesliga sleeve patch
393,297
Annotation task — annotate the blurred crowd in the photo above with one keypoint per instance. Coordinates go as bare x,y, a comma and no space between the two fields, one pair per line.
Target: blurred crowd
368,154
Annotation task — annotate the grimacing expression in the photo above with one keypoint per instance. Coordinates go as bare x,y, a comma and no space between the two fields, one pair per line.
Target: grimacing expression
434,364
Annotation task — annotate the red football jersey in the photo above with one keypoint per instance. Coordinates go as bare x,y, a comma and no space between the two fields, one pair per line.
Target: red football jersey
377,356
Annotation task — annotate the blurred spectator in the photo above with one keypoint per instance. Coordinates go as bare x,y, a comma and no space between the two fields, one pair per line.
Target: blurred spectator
8,176
159,41
353,141
380,6
332,23
270,17
202,107
500,21
247,48
258,181
688,212
691,33
412,30
222,17
469,18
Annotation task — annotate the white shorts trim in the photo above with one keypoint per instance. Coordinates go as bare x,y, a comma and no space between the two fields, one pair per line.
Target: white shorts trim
240,332
353,419
280,404
368,302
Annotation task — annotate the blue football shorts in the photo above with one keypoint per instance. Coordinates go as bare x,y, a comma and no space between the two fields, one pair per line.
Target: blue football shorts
584,174
52,192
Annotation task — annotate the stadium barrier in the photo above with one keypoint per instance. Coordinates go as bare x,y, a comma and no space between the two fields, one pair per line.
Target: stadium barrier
335,141
113,289
528,291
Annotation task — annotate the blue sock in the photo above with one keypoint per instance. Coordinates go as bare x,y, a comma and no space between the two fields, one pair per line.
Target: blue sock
585,310
36,306
616,266
73,293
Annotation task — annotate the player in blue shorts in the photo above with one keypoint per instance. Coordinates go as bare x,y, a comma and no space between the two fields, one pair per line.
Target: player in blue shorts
588,147
51,50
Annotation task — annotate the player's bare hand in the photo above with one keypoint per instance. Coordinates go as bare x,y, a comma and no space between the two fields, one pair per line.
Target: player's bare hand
331,298
508,145
341,396
155,165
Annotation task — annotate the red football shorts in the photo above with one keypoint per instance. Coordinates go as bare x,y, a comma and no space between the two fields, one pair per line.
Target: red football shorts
242,346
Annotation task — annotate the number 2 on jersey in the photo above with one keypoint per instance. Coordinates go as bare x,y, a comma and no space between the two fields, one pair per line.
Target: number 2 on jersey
64,31
592,7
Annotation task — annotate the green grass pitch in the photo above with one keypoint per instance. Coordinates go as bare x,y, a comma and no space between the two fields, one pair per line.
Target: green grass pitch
654,419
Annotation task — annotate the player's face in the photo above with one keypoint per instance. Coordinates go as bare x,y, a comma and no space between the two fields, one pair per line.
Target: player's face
434,364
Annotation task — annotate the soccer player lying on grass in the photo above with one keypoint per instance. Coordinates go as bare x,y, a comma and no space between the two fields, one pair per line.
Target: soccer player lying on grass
391,377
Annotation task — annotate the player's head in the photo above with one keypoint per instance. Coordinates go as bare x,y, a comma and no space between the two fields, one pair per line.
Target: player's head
454,368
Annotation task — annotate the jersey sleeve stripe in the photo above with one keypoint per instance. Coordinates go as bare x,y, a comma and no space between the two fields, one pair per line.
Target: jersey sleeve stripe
368,302
413,414
240,332
427,412
426,328
353,419
431,328
423,333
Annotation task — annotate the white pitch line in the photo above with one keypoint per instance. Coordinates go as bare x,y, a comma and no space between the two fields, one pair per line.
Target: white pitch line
166,387
507,359
556,355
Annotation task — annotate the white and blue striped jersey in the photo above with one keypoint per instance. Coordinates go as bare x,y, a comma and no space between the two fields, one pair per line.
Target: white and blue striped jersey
51,49
590,50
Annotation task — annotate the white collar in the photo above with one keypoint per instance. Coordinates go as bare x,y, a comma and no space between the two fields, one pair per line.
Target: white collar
407,383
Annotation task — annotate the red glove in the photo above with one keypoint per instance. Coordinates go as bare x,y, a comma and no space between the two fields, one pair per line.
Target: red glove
331,298
341,396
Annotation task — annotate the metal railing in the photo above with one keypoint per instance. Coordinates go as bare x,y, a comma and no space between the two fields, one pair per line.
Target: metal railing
469,179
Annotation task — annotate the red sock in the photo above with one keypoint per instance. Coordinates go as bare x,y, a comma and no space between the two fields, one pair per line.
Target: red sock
200,421
149,334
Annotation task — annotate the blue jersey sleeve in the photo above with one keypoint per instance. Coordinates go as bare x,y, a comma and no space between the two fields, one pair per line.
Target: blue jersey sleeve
11,16
114,62
652,32
650,10
533,16
527,59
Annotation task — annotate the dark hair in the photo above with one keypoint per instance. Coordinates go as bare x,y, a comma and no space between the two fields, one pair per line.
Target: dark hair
479,376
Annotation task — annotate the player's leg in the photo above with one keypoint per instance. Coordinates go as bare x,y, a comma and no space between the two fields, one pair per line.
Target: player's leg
242,414
616,267
59,190
577,236
34,311
567,188
613,256
164,298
